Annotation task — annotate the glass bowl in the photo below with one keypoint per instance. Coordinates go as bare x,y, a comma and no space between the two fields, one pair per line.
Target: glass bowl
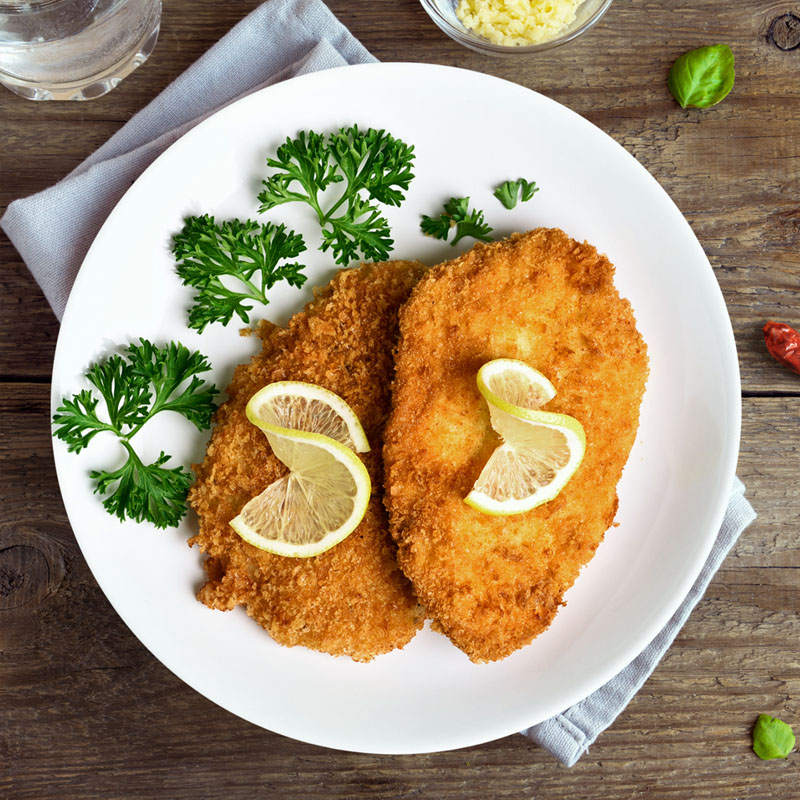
443,13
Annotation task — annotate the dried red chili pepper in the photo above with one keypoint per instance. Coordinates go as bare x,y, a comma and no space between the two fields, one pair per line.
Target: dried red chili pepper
783,344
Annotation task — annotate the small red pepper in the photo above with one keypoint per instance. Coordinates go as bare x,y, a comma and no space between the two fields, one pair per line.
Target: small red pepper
783,344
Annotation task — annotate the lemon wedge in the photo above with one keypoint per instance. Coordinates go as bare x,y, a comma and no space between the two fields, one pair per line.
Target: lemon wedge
540,450
325,495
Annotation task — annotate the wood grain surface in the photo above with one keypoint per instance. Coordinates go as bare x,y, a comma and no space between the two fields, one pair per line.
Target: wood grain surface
87,713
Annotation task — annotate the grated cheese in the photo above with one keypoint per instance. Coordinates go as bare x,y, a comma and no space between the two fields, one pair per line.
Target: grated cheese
517,22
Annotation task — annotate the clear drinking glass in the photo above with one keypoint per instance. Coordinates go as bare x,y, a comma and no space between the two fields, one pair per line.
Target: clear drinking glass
73,49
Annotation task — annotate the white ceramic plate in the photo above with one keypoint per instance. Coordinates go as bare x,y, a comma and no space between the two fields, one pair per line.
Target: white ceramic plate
471,132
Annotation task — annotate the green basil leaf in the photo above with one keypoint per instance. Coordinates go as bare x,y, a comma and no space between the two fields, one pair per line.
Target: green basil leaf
702,77
772,738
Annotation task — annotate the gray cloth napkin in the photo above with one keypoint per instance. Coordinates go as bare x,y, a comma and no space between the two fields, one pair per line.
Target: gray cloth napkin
53,231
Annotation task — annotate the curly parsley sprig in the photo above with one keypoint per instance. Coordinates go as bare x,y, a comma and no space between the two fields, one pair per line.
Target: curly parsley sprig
457,216
245,253
371,165
147,381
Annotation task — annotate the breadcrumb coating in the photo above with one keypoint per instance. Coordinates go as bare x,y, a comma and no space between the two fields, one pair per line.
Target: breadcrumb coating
351,600
491,583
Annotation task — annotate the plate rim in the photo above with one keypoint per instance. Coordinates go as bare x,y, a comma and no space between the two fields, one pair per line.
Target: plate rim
726,342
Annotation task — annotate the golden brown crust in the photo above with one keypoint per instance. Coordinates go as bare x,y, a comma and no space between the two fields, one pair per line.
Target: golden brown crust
494,583
352,600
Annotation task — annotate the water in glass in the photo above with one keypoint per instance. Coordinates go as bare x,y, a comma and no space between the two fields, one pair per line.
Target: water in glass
73,49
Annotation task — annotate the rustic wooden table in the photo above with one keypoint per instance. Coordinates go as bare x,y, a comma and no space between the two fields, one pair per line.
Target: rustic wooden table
87,712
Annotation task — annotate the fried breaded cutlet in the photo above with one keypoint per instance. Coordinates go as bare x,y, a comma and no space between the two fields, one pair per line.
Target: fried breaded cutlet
351,600
493,583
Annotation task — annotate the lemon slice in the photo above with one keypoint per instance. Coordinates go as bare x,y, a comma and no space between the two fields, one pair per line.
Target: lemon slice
299,406
326,493
540,450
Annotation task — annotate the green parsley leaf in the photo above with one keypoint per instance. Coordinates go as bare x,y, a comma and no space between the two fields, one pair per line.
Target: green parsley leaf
79,421
144,492
167,369
367,231
134,388
437,227
772,738
457,215
370,165
702,77
305,161
126,396
510,193
245,254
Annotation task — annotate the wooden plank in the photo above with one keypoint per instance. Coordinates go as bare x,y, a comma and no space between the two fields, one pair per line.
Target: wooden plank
87,712
29,330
